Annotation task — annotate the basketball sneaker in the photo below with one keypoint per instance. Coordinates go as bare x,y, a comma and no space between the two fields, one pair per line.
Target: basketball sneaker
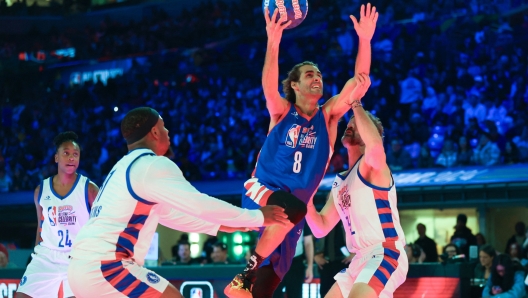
240,286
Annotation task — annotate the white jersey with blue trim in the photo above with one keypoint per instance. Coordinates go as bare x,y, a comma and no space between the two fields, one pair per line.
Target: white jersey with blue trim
63,216
141,191
369,213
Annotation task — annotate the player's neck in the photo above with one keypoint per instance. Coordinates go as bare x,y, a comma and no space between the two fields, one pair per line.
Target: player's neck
353,155
65,179
306,106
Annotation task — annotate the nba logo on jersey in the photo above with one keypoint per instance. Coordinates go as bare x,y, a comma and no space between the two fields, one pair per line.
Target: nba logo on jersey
293,136
52,215
196,293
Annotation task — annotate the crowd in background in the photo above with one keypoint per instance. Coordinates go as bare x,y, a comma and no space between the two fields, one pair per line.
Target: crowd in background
449,83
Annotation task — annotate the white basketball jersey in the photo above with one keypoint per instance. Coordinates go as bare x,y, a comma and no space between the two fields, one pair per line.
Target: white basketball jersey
63,216
368,212
141,190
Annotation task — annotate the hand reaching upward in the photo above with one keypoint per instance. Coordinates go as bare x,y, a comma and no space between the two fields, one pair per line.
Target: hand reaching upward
367,23
275,26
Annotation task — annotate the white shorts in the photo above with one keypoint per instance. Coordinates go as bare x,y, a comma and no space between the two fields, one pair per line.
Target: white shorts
47,274
383,267
124,278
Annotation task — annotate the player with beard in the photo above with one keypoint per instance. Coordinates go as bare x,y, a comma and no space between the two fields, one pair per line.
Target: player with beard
364,197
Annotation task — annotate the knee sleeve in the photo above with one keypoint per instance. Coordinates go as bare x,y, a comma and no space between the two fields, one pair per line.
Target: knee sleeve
293,207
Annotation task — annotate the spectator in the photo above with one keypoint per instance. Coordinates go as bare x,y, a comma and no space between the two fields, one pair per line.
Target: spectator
450,251
506,279
397,158
184,254
516,253
425,160
483,267
448,156
415,254
427,244
463,238
519,237
474,109
208,248
465,154
219,254
486,153
481,240
4,258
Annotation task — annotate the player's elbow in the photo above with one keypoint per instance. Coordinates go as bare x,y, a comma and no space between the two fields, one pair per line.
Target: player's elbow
319,233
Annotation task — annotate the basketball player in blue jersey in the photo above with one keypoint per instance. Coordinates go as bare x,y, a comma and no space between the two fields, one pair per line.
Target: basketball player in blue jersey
295,155
364,198
63,206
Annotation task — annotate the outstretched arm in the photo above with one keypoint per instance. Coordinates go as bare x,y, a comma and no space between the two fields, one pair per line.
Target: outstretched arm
159,180
270,74
322,222
338,105
374,166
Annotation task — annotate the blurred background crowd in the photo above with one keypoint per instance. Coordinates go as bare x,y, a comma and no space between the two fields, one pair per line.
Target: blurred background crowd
450,86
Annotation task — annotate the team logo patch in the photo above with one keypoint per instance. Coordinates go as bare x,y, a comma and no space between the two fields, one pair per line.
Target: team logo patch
66,215
305,137
47,198
153,278
344,197
23,280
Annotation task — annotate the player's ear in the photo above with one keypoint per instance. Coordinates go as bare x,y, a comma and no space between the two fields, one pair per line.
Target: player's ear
294,85
155,132
56,157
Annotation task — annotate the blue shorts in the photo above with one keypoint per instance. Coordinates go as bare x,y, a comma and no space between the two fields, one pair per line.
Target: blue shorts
281,258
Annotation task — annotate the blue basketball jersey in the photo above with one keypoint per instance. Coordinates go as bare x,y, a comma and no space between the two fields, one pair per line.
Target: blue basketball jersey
295,155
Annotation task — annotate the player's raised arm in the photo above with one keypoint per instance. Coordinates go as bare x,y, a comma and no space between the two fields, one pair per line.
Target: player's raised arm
322,222
374,151
338,105
270,73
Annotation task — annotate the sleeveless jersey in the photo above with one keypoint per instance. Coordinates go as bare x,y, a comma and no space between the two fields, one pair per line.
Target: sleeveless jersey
295,155
368,212
63,216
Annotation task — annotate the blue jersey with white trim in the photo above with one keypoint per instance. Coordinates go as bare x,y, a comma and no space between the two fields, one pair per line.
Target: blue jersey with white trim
296,154
63,216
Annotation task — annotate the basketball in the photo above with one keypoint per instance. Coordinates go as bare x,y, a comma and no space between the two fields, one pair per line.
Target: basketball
296,10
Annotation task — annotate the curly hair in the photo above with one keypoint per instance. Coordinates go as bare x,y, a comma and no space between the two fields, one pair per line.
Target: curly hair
294,75
63,137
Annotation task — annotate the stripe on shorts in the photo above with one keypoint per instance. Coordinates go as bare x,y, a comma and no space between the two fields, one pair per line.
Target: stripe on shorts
126,283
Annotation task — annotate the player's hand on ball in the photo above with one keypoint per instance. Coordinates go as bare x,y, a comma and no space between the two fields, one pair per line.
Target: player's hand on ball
275,26
362,85
274,215
367,23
